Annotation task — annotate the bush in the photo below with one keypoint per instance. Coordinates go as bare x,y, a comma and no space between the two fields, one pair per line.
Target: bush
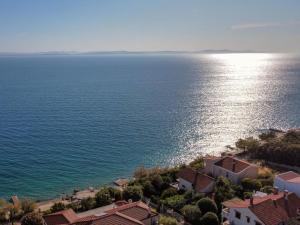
165,220
247,195
27,206
168,193
32,219
197,163
148,189
59,206
210,219
115,193
175,202
133,192
249,184
267,189
74,206
88,203
250,143
192,214
207,205
103,197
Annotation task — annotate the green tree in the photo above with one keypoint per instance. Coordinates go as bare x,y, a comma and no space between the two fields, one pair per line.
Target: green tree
103,197
56,207
175,202
88,203
165,220
33,218
192,214
168,193
249,184
148,189
207,205
209,218
133,192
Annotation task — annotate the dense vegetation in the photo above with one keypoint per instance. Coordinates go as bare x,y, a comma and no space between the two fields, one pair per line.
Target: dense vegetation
283,148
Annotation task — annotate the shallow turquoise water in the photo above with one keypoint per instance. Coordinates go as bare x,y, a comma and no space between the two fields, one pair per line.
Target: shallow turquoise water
77,121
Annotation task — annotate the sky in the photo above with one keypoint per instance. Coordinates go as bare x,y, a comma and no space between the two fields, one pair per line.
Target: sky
149,25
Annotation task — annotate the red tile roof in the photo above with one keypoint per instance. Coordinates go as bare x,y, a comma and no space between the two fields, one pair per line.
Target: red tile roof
232,164
290,177
199,180
187,174
130,214
271,209
63,217
137,210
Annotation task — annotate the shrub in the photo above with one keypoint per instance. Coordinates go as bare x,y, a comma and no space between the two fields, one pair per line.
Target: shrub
32,219
210,219
148,189
103,197
207,205
88,203
175,202
197,163
247,195
27,206
267,189
168,193
249,184
165,220
74,205
192,214
133,192
56,207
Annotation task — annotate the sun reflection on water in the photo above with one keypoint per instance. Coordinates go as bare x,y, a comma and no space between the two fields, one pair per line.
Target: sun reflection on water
230,102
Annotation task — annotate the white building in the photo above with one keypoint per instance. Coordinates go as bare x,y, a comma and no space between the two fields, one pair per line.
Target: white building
232,168
289,181
273,209
190,179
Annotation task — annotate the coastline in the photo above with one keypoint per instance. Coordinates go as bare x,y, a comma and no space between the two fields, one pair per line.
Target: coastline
79,194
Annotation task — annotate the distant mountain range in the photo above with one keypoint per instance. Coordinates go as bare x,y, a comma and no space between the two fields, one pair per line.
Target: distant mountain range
206,51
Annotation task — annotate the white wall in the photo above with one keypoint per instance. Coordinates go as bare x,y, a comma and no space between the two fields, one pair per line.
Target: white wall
185,185
285,185
244,213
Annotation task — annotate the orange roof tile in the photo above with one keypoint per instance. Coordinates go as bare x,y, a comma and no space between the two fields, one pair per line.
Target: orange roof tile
232,164
62,217
290,177
271,209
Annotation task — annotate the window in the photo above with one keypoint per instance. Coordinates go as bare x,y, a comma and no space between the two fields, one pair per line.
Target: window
237,214
248,219
227,175
257,223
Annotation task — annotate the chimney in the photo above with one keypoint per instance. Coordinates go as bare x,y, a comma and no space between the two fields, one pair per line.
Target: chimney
129,200
286,202
275,191
251,200
233,165
285,194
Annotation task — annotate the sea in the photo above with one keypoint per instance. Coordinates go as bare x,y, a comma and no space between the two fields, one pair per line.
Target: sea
74,121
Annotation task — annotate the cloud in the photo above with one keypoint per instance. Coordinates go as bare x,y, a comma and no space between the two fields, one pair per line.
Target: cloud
263,25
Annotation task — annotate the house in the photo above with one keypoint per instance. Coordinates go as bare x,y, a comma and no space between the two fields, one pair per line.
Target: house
190,179
289,181
61,218
133,213
230,167
273,209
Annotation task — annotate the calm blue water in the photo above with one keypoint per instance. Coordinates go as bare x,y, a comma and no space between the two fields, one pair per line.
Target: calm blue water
77,121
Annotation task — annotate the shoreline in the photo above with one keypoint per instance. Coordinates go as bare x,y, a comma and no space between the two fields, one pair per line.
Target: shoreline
46,203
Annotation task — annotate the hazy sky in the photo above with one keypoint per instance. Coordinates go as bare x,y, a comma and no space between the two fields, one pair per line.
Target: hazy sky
149,25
